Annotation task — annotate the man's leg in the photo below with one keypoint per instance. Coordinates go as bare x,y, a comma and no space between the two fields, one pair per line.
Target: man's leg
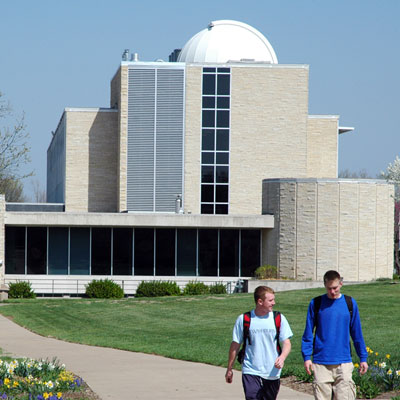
323,381
344,387
271,388
252,386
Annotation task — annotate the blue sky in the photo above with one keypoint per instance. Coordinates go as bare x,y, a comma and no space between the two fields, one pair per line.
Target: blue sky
57,54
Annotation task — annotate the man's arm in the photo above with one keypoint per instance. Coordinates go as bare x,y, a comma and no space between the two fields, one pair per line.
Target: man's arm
233,350
307,341
287,346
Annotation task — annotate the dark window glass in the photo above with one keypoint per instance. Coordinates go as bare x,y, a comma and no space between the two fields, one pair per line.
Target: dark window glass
208,102
224,70
207,193
186,252
122,251
221,193
222,174
208,252
58,251
228,252
207,174
208,141
79,259
144,251
101,251
223,102
15,250
165,252
208,84
222,119
208,69
208,118
221,209
207,158
36,250
250,251
222,139
207,209
223,84
222,158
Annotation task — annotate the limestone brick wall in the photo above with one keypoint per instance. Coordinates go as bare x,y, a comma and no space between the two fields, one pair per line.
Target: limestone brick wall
2,237
115,90
269,110
322,146
339,224
91,160
192,139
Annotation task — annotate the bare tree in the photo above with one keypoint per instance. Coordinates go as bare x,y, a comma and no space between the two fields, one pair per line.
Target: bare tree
361,174
39,194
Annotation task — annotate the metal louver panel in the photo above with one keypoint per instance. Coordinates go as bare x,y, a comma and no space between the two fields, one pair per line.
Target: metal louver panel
155,138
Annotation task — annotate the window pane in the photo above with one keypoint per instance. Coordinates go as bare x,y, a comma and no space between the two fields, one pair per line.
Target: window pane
207,209
207,174
36,250
207,158
223,102
144,251
208,252
222,174
221,209
224,84
122,251
58,251
223,69
208,69
222,158
222,139
222,119
101,251
15,250
228,252
208,102
208,84
221,193
208,139
186,254
250,251
79,251
208,118
165,252
207,193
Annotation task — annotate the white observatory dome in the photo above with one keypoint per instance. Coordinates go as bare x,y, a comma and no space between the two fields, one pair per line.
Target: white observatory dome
226,40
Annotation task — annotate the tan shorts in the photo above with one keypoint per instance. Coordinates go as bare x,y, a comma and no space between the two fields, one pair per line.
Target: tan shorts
336,379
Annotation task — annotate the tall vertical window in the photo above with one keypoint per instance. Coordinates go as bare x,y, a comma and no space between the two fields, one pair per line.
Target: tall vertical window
215,137
15,250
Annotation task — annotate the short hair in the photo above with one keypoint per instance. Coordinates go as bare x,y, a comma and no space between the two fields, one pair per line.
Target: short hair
259,292
331,276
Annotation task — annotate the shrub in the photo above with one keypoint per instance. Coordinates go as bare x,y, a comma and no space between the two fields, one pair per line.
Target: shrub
266,272
104,289
194,288
218,288
21,290
157,289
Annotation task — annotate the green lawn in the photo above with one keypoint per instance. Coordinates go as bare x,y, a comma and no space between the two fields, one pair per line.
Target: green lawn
197,328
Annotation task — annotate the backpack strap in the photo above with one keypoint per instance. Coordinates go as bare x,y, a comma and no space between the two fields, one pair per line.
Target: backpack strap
277,321
349,302
317,306
246,327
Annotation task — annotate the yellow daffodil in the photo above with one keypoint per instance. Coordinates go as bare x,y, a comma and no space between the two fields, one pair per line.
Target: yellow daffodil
377,354
382,365
6,381
398,373
388,356
356,365
15,383
376,363
59,395
368,349
390,372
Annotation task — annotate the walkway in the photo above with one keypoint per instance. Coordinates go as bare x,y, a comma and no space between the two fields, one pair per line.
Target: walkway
119,375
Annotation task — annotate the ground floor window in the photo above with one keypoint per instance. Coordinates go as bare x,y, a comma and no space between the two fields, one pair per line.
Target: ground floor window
132,251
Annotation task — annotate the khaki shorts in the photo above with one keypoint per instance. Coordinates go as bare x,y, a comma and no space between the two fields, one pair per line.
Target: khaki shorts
336,379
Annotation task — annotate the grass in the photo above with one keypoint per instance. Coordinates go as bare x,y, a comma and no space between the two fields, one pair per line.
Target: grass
197,328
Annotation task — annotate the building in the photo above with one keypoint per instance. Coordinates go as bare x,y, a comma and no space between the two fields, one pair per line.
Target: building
203,167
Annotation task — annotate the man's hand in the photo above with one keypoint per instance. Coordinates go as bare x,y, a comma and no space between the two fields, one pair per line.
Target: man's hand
363,368
279,362
229,376
308,366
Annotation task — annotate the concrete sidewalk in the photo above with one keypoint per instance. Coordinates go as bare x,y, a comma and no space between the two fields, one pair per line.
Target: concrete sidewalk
123,375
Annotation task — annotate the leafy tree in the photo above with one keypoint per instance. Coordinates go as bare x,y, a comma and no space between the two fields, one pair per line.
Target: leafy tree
14,152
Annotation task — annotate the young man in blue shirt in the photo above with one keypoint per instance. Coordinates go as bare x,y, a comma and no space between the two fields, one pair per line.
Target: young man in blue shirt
332,364
262,364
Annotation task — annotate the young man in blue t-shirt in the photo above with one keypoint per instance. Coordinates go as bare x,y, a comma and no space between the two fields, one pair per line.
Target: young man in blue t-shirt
332,365
262,364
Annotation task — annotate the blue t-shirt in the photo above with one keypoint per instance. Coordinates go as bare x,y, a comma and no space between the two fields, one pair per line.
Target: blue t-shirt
260,356
334,328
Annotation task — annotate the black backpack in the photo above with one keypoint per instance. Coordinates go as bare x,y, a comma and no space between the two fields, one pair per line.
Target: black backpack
247,337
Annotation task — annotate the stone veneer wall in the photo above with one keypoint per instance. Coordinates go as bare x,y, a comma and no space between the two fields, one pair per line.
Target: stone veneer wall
339,224
91,160
322,146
